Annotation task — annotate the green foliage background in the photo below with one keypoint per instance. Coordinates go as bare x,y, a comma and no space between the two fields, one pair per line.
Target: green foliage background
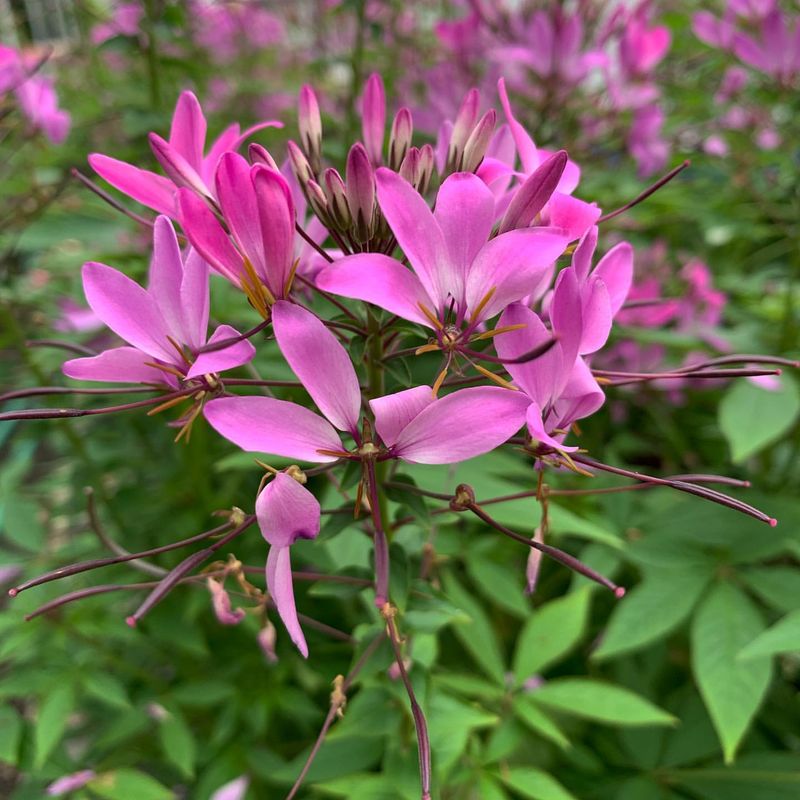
685,689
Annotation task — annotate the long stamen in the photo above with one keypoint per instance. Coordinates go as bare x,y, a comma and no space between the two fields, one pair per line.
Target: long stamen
497,331
431,316
646,193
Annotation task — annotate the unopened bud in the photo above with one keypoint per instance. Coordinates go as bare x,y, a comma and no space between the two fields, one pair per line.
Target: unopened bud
400,138
267,637
300,166
337,199
360,191
409,168
260,155
310,125
475,148
427,163
462,127
318,201
373,117
534,193
463,498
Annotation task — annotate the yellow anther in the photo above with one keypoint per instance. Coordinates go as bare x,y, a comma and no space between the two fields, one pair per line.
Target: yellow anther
486,298
497,332
431,316
500,381
439,380
426,348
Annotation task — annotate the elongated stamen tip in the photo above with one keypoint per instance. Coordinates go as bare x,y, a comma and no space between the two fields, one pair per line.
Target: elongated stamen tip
13,592
773,522
130,621
620,592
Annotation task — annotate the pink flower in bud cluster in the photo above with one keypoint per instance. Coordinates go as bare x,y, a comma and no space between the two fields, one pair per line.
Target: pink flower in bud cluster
70,783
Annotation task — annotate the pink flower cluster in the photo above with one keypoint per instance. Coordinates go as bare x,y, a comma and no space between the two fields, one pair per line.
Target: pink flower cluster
35,94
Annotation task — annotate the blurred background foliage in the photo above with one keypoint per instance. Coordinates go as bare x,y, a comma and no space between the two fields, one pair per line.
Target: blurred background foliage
685,689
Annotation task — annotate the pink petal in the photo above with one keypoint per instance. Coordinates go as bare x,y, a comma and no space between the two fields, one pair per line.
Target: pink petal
538,378
287,512
537,430
219,360
581,397
277,219
233,790
237,198
572,215
464,213
321,363
582,257
207,236
567,316
415,228
188,132
525,147
127,309
227,140
176,166
615,269
266,425
394,411
462,425
571,176
511,264
221,603
597,316
195,298
373,113
379,280
531,197
281,590
117,365
147,188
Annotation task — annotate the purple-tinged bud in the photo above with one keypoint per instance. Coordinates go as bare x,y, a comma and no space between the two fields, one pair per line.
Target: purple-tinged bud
318,202
266,641
427,164
534,193
180,171
400,138
360,179
336,193
300,166
462,127
409,168
534,562
260,155
475,148
373,118
310,125
221,602
70,783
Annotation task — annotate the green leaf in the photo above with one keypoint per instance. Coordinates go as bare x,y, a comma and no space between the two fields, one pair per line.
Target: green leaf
751,417
51,722
731,689
563,521
450,723
534,784
107,689
498,584
535,719
782,637
602,702
10,735
125,784
360,787
655,607
478,636
177,743
551,632
21,523
777,586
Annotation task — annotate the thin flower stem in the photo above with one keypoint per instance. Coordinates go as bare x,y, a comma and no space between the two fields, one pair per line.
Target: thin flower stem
255,382
223,343
299,228
651,190
173,577
338,699
423,742
381,543
537,351
554,553
59,413
42,391
72,347
85,566
681,486
716,374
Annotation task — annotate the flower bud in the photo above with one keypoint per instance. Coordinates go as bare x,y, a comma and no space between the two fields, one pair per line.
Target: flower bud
534,193
427,163
373,118
337,199
360,190
409,168
300,166
478,141
260,155
310,125
221,603
465,121
463,498
266,641
400,138
318,202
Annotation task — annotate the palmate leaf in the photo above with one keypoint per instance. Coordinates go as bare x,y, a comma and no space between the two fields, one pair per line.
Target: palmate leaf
535,784
782,637
732,689
663,599
550,633
51,721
